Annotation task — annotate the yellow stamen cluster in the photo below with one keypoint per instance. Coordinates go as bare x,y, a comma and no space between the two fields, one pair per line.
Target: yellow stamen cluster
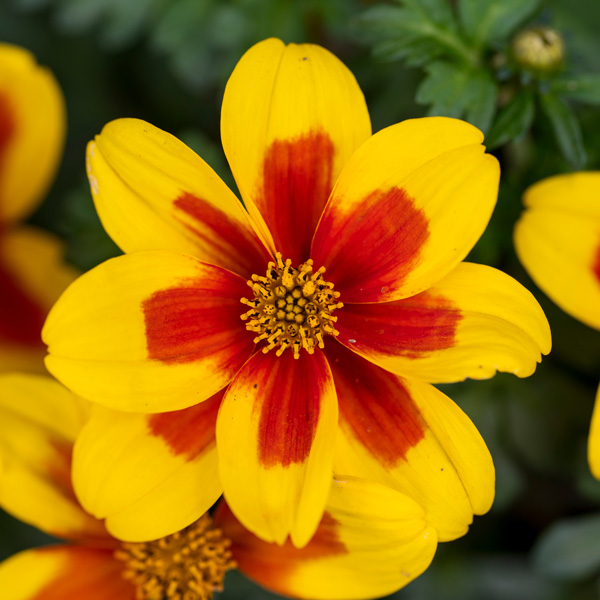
291,307
188,565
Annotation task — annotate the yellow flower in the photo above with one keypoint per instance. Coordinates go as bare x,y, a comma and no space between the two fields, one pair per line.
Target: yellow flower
558,241
32,127
347,263
371,541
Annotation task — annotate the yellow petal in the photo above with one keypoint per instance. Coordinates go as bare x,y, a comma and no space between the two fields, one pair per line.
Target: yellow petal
407,208
148,475
32,277
32,131
64,573
153,193
474,322
594,439
558,242
408,435
275,436
292,116
371,542
39,420
149,332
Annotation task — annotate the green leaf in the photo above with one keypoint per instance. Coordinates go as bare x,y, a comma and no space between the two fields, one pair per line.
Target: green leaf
569,549
566,129
487,21
457,90
417,32
585,88
514,120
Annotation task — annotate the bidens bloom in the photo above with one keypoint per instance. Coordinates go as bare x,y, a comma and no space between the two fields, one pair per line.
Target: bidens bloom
32,276
311,324
371,541
558,241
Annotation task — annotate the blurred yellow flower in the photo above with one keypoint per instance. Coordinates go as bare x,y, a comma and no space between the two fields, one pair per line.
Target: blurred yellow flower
558,241
32,276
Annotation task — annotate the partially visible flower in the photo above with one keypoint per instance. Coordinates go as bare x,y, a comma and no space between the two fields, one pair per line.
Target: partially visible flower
558,241
354,299
32,276
371,541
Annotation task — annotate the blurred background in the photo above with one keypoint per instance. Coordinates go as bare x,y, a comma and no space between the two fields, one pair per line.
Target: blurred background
167,61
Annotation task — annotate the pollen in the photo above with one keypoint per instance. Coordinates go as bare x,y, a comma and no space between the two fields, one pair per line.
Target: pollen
291,308
188,565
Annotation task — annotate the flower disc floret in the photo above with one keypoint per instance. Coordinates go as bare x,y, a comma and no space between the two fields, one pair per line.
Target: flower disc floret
291,308
187,565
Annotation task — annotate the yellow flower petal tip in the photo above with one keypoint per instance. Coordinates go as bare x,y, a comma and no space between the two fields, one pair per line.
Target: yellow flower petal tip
32,131
558,241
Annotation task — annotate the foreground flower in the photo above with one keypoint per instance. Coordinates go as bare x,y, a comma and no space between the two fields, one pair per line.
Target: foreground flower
371,541
348,266
32,127
558,242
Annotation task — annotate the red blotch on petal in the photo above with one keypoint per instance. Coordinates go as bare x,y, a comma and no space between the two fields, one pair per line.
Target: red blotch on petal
89,574
372,248
297,181
411,327
188,432
196,320
288,399
596,267
376,406
239,247
272,565
7,126
21,317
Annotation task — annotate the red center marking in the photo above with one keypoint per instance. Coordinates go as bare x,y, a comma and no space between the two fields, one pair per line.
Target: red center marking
86,573
297,179
412,327
373,247
195,321
21,318
272,565
236,246
7,126
596,267
376,406
289,398
188,432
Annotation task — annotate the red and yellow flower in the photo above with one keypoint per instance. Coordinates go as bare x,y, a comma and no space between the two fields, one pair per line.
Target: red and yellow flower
347,261
558,241
371,540
32,276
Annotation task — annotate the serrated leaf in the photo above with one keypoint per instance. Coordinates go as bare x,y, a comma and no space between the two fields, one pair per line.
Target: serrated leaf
439,11
513,121
482,94
566,129
486,21
418,28
569,549
585,88
457,90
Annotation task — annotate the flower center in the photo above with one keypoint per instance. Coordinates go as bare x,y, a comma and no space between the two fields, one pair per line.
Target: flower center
189,564
291,307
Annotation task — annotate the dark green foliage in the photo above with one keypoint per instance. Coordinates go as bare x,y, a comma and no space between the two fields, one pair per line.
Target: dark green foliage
471,69
569,549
